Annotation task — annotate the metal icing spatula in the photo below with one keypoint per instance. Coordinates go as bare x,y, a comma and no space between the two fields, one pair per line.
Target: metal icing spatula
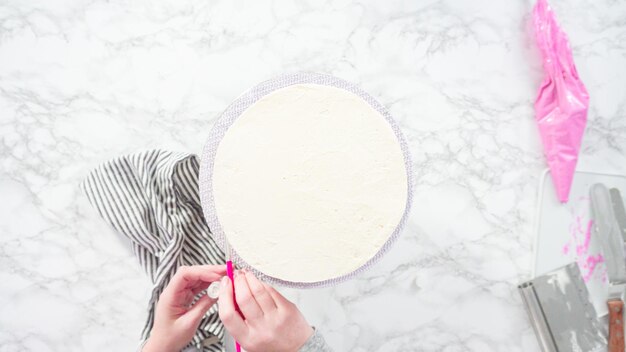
606,228
617,305
619,211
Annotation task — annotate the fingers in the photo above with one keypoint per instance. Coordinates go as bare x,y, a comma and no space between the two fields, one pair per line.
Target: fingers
199,309
280,301
187,277
260,294
232,320
247,304
201,286
205,273
183,299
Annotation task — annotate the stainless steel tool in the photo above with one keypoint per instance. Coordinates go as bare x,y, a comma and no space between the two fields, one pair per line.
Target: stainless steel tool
607,229
561,313
619,211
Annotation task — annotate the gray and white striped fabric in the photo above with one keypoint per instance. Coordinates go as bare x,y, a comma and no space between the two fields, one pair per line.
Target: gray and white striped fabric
152,198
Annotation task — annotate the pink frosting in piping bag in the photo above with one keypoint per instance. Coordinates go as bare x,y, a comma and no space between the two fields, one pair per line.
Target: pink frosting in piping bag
562,103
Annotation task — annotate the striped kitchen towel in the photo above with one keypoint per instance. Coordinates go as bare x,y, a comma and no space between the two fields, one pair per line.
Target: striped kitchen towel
152,198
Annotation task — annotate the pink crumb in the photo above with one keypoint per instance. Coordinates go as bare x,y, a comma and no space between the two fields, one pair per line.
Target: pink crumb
590,265
584,247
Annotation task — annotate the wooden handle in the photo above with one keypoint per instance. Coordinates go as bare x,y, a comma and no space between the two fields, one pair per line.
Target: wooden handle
616,325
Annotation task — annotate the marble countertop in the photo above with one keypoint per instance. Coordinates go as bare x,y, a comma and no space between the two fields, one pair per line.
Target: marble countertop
84,81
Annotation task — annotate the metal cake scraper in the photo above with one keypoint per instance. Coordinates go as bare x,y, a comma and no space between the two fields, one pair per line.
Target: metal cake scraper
561,313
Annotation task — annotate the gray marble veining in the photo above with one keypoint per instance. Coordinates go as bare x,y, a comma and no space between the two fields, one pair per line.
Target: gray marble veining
85,81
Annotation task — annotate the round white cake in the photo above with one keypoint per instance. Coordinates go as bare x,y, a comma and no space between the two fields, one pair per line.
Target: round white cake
309,183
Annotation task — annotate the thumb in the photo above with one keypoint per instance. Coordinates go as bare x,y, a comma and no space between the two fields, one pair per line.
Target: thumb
199,309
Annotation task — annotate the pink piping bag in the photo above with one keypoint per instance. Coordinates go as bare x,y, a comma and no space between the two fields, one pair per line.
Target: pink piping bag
562,103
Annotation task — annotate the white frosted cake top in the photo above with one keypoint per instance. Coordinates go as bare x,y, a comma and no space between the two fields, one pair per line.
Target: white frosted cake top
309,183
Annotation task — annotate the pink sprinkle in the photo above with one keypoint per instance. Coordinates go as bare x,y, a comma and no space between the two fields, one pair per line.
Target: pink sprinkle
579,243
584,247
590,265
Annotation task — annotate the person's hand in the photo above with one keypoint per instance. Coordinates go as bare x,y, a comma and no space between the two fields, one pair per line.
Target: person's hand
269,323
175,321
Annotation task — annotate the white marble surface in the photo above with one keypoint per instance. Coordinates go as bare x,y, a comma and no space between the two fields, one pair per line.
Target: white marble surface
85,81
